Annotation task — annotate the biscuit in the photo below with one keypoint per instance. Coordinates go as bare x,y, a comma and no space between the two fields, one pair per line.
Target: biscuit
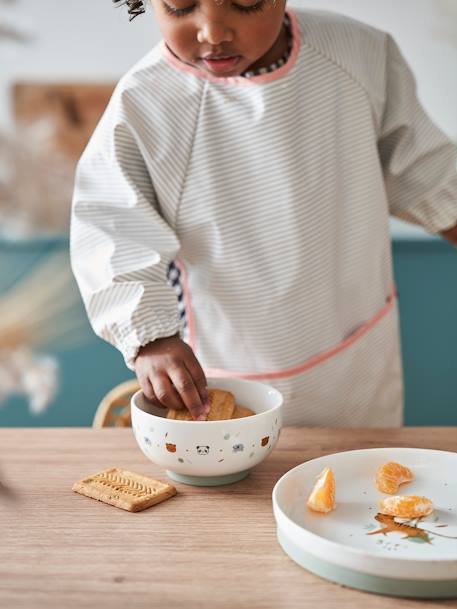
179,415
124,489
241,411
222,405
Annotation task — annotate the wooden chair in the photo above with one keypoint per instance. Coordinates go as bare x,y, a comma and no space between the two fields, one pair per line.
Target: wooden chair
114,409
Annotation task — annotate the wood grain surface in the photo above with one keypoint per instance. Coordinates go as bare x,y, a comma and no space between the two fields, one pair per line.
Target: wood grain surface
205,548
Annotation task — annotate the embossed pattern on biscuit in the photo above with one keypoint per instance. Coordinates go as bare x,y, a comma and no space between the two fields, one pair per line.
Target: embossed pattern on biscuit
123,484
124,489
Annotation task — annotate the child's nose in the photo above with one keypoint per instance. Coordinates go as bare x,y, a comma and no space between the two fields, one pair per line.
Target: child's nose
214,33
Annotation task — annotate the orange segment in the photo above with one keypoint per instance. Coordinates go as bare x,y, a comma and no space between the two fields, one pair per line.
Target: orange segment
406,506
390,475
322,498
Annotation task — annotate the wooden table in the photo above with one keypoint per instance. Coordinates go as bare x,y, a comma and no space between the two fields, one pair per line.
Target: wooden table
205,548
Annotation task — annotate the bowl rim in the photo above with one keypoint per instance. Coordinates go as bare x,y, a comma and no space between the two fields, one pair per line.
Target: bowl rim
225,421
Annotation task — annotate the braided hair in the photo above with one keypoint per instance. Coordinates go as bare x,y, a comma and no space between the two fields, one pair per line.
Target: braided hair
134,7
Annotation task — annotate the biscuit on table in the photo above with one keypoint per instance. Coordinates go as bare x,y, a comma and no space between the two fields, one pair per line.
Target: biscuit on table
241,411
222,405
124,489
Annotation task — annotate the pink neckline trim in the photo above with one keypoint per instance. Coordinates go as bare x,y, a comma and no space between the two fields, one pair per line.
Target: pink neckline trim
241,80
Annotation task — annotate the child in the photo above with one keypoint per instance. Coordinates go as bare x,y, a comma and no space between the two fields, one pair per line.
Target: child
262,150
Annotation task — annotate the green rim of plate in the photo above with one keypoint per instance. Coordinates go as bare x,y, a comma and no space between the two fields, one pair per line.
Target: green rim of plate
363,581
208,480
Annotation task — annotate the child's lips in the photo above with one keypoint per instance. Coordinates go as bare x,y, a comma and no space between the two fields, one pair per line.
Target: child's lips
224,64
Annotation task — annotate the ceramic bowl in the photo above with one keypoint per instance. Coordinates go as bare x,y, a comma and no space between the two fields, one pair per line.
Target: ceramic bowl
209,453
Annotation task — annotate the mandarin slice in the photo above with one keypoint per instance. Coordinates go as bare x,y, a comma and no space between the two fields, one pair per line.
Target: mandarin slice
322,497
406,506
390,475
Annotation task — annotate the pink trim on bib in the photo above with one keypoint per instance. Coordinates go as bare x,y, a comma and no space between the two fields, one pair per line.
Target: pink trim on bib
293,370
240,80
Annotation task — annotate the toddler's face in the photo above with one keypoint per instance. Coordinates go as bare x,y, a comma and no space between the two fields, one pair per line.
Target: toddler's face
249,33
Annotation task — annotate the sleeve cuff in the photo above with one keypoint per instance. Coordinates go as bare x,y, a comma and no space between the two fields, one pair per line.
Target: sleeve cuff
132,343
436,213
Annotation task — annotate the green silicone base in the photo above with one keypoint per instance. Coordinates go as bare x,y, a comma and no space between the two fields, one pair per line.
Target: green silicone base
208,480
369,583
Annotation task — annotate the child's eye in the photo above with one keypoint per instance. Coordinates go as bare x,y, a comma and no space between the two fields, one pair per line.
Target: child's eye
177,12
258,6
181,12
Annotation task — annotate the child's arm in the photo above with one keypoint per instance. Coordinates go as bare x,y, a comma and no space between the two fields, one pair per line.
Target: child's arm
419,161
121,247
171,376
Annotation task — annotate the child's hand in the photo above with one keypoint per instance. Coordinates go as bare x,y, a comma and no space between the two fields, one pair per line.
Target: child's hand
171,376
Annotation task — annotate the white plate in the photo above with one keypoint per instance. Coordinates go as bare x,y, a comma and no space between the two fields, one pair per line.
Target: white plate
343,545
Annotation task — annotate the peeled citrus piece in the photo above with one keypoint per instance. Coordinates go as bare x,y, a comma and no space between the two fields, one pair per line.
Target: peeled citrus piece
390,475
406,506
322,498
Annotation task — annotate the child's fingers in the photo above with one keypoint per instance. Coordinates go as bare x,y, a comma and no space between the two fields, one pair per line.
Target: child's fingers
146,387
166,393
149,394
185,386
199,378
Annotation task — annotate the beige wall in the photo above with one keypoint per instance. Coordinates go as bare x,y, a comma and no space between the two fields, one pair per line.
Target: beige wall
89,39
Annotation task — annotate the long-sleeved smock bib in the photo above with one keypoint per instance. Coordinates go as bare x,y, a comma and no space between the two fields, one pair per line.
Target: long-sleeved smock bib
273,193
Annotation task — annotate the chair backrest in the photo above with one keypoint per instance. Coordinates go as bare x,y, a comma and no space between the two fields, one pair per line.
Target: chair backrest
114,408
